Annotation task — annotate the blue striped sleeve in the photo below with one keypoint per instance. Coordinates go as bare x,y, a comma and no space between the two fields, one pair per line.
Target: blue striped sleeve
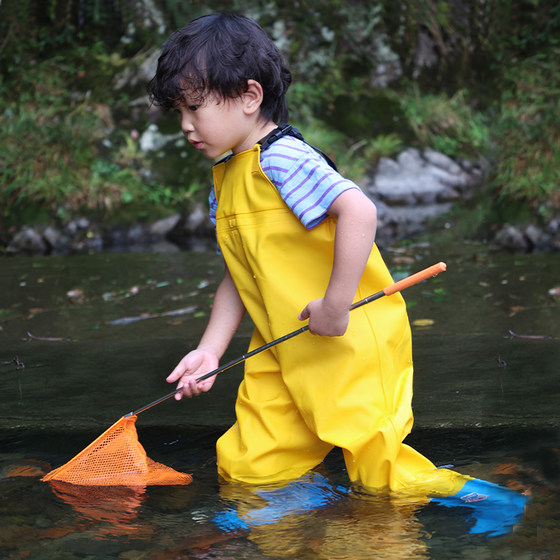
212,206
305,181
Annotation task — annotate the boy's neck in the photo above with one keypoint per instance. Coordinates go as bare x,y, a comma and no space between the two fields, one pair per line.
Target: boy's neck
259,132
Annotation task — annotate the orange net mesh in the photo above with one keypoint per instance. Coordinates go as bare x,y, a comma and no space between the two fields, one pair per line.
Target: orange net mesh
116,458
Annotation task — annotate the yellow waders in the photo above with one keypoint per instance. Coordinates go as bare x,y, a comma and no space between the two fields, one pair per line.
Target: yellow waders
306,395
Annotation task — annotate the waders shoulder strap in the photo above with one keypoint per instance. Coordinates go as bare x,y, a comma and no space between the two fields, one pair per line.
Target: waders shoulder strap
289,130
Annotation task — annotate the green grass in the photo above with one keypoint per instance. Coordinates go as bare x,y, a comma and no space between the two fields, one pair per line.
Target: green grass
527,134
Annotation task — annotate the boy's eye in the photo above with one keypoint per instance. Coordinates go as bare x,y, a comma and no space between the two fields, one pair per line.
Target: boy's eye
193,107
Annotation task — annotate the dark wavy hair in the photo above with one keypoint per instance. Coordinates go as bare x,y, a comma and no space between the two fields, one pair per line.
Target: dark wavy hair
218,54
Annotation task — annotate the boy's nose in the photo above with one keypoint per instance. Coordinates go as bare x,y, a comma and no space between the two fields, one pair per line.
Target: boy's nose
186,125
187,128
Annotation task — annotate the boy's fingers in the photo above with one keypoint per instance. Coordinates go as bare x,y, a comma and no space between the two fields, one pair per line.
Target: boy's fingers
304,314
180,370
207,384
179,394
173,376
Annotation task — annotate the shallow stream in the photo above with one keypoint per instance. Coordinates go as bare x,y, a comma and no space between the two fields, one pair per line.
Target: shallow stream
85,339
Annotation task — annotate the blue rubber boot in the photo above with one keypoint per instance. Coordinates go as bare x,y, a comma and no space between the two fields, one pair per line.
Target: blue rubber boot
306,493
495,509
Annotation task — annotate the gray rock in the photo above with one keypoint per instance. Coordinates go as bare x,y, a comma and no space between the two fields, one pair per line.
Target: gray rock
27,241
537,237
442,161
197,220
161,228
56,239
512,239
388,67
449,195
416,187
152,140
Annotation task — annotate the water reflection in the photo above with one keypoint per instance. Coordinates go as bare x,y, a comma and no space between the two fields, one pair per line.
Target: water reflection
105,511
323,518
313,516
359,530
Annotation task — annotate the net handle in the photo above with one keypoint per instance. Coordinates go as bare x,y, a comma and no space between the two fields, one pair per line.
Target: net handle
420,276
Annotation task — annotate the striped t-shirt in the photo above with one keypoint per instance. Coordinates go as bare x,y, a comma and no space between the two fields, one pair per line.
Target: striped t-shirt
305,181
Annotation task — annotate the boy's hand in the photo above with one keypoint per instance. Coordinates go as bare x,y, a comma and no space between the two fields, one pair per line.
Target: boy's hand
324,319
192,366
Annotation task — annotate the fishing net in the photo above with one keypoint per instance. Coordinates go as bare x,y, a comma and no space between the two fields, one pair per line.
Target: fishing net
116,458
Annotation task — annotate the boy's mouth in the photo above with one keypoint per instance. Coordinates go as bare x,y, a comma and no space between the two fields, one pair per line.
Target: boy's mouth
198,145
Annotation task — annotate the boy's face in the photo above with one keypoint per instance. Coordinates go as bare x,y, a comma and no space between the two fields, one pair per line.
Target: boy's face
215,126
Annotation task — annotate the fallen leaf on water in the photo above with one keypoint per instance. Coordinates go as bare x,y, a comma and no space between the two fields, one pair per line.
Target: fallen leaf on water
554,292
528,336
127,320
514,309
76,295
122,294
423,322
48,338
144,316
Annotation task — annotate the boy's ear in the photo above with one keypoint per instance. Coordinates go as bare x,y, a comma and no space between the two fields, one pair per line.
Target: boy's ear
252,98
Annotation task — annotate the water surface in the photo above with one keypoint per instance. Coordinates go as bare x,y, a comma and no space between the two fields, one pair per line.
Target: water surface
85,339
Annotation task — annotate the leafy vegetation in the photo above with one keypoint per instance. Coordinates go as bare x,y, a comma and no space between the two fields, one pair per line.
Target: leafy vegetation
70,140
528,135
448,124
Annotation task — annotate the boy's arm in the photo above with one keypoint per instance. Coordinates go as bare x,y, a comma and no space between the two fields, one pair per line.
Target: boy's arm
226,315
355,234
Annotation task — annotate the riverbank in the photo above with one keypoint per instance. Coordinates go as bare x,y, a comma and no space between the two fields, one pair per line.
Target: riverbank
88,165
417,193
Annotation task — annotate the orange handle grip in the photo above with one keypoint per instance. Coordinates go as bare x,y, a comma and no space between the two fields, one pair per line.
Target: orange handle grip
433,270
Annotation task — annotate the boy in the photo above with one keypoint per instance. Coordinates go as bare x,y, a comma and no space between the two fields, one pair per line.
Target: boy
298,243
